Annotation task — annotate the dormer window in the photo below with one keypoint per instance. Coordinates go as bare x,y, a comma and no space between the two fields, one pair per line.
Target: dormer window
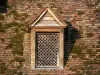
47,41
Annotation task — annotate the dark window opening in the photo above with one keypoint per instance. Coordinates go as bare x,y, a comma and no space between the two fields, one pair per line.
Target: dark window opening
3,6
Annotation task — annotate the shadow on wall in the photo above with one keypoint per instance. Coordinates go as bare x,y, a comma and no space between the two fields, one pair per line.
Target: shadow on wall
70,36
3,6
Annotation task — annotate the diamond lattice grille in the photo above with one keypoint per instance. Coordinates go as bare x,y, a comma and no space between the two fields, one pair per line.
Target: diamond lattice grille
47,48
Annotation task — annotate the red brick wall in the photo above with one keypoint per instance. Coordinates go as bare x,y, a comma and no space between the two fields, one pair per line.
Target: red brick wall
82,37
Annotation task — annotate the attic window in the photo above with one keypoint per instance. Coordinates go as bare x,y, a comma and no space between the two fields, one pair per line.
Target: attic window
47,41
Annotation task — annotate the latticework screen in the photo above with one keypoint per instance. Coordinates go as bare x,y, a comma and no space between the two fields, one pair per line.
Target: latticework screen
47,49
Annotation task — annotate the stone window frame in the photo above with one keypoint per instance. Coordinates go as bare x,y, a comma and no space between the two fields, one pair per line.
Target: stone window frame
61,48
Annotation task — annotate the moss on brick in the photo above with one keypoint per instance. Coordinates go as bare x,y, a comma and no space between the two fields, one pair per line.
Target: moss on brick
2,29
11,72
79,12
76,49
2,17
20,16
90,34
12,24
97,10
19,59
17,44
3,68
